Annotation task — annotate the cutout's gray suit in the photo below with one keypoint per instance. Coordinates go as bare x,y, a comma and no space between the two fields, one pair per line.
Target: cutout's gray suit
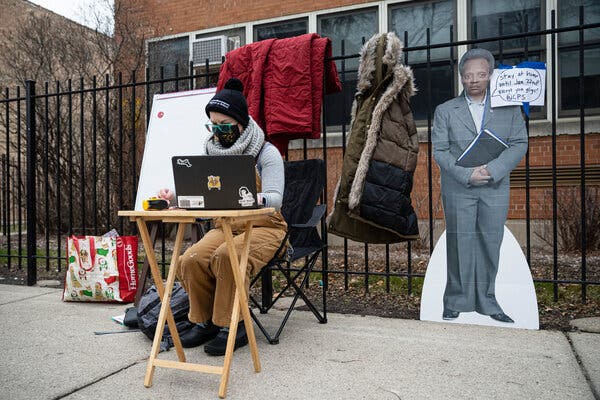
475,215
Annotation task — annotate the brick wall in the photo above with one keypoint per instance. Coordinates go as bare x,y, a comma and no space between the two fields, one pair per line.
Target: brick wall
540,154
15,13
160,17
567,151
179,16
15,17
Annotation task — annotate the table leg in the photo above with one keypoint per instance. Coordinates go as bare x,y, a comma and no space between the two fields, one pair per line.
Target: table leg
145,267
165,310
240,301
244,299
171,278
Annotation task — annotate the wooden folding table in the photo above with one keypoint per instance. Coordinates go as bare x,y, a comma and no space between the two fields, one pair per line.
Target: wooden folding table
239,265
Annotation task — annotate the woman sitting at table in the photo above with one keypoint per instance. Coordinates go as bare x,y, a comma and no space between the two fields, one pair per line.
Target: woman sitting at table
204,269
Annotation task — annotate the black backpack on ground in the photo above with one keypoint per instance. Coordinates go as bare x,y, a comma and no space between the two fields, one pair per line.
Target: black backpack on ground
149,308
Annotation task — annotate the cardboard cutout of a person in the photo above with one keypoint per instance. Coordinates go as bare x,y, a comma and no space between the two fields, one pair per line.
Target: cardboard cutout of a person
475,199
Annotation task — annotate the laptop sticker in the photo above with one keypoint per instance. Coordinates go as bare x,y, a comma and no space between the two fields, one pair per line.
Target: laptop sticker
190,201
184,161
214,182
247,198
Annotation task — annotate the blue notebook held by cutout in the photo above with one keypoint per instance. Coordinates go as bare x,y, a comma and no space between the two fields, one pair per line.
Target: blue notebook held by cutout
484,148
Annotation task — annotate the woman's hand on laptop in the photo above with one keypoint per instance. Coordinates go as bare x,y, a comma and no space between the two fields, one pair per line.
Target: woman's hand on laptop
166,194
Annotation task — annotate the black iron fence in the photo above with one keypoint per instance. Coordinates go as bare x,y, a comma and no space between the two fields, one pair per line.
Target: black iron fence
71,153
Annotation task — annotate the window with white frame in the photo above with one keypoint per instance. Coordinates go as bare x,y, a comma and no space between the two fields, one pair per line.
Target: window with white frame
235,37
281,30
171,56
490,19
347,31
410,22
349,27
568,57
207,51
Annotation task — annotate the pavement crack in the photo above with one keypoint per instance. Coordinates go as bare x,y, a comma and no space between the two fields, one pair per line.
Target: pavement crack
584,371
62,396
342,361
392,392
27,298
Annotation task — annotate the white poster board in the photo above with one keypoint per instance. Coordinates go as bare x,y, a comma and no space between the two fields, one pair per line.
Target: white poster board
514,288
176,128
514,86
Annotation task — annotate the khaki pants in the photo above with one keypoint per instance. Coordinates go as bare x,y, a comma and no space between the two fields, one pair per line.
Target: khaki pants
205,269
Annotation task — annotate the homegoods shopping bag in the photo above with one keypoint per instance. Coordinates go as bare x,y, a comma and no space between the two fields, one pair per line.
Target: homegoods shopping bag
101,268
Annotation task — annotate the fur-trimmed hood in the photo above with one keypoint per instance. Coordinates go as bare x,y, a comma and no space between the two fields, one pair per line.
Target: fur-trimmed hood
380,63
372,200
373,69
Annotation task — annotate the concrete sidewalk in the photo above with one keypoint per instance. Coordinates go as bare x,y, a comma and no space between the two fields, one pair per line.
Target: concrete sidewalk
49,351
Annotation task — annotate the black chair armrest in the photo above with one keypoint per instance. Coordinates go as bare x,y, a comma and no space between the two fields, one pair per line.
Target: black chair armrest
317,214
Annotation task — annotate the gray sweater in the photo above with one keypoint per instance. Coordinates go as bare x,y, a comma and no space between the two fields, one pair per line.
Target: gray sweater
270,168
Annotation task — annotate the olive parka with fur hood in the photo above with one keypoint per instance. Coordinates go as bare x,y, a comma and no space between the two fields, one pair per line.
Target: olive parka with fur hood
372,201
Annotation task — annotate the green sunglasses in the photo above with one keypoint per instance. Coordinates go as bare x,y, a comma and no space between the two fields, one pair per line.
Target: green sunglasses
222,128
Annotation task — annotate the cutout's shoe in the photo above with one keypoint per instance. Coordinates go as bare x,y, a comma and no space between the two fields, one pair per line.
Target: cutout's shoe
449,314
502,318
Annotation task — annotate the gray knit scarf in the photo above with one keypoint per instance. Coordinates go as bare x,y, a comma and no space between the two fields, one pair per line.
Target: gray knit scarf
250,142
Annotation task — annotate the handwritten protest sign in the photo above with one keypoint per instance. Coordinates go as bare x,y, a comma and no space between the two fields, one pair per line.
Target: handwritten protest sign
515,86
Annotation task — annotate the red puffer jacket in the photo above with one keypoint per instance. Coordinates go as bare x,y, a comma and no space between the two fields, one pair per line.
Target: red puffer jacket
283,83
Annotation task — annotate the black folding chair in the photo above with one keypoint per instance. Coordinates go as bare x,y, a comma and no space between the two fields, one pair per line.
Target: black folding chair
302,245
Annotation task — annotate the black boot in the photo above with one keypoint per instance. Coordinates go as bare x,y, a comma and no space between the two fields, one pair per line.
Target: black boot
217,346
199,334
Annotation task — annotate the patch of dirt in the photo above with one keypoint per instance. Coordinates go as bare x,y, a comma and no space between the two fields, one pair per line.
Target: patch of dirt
348,293
391,298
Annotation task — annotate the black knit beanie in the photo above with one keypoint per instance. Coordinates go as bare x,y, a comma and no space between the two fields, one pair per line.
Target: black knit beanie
231,101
